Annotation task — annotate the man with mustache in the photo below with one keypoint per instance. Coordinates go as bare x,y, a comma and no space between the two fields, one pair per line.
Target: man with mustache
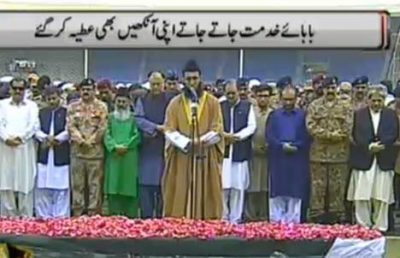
36,87
19,121
52,198
121,168
191,184
104,88
317,85
345,91
307,97
373,158
329,122
245,91
87,121
360,89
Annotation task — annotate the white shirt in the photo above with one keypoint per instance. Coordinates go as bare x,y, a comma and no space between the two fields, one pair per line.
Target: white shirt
373,183
236,174
51,176
18,164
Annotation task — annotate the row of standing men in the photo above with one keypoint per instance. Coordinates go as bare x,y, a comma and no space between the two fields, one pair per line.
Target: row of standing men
85,124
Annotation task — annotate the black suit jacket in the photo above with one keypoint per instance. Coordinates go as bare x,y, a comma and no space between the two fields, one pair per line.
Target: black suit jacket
363,134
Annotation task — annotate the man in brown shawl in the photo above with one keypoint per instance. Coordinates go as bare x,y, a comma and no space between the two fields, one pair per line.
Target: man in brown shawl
191,184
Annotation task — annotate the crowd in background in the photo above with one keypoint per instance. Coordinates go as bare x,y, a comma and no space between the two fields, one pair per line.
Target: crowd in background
324,152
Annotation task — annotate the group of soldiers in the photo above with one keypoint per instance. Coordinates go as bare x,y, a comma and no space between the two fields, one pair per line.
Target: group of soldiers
239,150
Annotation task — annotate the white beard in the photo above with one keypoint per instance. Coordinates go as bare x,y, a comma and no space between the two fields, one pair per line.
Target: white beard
122,114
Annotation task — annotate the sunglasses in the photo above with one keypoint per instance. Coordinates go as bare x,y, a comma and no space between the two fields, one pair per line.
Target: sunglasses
18,88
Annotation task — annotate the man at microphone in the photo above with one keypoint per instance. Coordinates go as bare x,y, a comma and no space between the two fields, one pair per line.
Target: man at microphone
194,151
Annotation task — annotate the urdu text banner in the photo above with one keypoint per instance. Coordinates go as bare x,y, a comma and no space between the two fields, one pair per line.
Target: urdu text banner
191,29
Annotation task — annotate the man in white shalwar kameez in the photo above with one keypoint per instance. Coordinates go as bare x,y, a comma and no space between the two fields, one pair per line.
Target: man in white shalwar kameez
19,122
373,159
239,125
52,196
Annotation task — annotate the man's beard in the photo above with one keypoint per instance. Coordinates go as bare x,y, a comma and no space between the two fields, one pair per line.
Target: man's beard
122,114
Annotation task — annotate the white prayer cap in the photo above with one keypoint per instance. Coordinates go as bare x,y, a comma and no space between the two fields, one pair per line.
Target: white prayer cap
68,86
345,84
271,84
128,85
56,83
146,85
254,82
6,79
120,85
389,98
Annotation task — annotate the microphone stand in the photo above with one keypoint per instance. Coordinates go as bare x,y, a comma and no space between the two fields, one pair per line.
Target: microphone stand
193,161
201,156
196,154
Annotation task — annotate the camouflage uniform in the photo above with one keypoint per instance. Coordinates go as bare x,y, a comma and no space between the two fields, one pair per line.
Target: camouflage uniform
87,121
330,127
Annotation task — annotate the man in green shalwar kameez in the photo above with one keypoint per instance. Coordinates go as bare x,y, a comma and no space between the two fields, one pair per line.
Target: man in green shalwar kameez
121,171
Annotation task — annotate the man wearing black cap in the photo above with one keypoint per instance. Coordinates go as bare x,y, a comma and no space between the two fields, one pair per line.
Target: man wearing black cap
192,180
19,123
360,89
87,121
329,122
172,83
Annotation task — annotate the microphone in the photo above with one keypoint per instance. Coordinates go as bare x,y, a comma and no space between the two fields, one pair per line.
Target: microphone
193,107
194,94
194,100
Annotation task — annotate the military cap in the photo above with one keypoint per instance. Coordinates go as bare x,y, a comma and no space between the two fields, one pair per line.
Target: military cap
330,80
87,82
283,82
360,81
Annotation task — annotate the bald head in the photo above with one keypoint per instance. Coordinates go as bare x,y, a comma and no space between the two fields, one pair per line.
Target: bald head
156,80
288,98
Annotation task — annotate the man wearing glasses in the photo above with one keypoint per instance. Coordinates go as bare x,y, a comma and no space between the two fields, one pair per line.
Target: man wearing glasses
19,121
257,194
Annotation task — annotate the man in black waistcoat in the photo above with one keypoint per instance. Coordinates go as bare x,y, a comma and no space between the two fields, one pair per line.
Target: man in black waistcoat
52,194
373,158
239,125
